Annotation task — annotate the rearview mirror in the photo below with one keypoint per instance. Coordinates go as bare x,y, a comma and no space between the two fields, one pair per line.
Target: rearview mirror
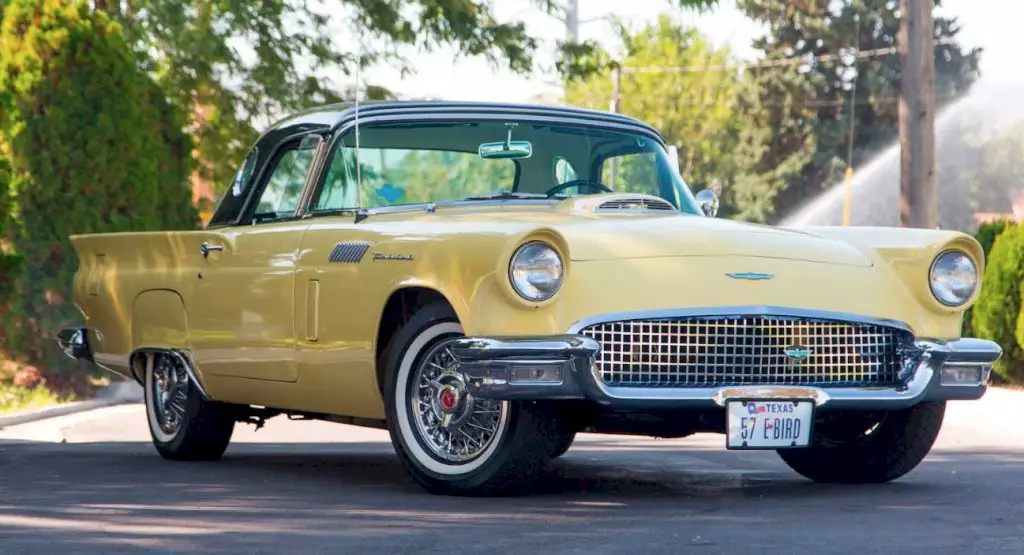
506,150
708,202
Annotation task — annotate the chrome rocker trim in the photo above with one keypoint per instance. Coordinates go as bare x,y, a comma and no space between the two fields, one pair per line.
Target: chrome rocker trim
488,364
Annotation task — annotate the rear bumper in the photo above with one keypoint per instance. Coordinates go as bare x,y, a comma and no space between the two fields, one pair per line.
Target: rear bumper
561,368
75,344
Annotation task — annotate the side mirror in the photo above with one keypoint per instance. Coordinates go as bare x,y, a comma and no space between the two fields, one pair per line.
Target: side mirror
708,202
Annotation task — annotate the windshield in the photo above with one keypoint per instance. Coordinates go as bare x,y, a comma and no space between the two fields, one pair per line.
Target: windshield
412,163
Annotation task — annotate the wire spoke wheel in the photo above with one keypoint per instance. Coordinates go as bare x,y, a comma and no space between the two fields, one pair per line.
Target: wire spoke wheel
170,389
454,426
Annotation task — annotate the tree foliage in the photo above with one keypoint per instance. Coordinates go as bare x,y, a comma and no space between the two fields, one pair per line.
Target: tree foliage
996,315
92,145
232,65
986,235
695,111
813,99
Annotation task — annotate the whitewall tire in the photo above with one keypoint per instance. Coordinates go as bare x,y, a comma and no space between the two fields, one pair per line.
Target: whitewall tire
448,441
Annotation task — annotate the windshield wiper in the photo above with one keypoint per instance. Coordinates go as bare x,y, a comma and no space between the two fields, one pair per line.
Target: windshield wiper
507,195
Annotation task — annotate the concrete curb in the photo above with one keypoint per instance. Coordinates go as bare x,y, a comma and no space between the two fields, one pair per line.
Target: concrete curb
115,394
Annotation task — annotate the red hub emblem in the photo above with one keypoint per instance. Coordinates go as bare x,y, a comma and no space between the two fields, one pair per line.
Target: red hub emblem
448,398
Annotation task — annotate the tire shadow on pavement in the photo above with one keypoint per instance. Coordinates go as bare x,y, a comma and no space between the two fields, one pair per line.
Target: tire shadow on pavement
291,498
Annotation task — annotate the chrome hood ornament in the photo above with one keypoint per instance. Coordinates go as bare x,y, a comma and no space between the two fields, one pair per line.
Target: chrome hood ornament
749,275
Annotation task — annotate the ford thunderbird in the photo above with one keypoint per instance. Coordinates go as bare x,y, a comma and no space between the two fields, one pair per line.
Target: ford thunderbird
485,281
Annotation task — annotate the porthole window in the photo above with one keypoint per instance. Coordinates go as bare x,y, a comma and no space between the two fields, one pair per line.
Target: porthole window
564,172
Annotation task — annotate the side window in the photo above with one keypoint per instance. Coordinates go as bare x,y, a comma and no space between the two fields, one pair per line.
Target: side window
231,203
339,187
244,174
632,173
280,196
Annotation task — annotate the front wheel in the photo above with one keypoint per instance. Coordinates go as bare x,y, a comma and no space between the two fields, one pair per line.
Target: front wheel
860,448
562,444
183,425
448,441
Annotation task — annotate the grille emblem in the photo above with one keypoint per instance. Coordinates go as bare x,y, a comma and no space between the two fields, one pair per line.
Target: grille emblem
749,275
798,353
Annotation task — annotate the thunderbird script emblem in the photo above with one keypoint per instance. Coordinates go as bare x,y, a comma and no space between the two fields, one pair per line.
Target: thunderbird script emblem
749,275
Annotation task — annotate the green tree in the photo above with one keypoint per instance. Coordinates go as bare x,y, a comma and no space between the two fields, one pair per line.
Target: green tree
232,65
775,145
696,111
996,315
986,234
92,145
811,29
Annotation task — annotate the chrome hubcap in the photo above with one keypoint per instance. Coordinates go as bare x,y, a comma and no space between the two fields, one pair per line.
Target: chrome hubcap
454,426
170,393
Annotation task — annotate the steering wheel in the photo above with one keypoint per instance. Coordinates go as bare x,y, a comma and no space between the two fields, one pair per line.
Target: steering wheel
579,183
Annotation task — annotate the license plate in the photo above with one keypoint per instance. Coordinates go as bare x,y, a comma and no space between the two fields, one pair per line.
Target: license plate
768,424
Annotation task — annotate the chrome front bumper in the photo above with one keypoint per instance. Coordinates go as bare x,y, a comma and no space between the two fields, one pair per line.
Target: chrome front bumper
562,368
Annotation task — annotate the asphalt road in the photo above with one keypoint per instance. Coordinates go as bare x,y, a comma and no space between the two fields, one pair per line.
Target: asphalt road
310,487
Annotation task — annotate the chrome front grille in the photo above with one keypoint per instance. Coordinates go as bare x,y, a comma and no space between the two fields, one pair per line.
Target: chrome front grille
747,350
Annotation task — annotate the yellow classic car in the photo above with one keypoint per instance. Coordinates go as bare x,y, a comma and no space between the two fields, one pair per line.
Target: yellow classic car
487,280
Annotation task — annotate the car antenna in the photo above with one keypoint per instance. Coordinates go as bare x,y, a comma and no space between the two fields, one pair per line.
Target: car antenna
362,213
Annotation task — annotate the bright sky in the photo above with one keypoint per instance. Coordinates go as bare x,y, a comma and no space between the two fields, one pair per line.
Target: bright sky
991,24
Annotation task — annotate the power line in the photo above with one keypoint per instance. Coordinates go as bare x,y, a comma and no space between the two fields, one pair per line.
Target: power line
874,53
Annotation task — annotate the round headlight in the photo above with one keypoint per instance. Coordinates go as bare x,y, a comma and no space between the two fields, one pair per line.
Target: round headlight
954,277
536,271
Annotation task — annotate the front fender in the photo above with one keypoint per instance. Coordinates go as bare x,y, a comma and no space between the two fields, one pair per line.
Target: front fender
910,253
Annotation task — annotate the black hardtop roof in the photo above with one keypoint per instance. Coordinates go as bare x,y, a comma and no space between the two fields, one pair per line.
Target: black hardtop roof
333,115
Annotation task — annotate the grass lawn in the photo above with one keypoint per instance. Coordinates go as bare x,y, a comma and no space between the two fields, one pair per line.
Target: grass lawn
14,398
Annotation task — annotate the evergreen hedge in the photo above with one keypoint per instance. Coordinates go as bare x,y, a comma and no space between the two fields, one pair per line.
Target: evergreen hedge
996,315
986,235
92,145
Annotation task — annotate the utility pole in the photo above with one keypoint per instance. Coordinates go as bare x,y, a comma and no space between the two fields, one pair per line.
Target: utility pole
919,202
572,21
848,179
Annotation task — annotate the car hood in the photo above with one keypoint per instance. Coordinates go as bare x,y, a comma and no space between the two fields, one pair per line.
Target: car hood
593,231
623,237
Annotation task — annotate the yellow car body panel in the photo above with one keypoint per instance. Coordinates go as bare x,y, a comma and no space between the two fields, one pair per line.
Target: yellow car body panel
325,284
302,331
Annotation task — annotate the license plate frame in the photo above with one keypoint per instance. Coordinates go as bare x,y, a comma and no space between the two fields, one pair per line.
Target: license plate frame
802,441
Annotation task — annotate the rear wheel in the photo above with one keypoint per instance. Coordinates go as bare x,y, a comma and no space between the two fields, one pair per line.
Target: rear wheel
183,425
862,448
448,441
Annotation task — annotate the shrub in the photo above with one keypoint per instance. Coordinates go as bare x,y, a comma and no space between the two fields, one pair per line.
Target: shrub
92,145
986,235
996,313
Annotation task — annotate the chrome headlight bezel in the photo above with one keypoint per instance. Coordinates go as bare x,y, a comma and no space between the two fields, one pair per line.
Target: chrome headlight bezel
541,253
946,297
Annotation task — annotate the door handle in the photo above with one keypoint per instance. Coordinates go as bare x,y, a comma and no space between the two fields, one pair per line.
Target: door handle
206,247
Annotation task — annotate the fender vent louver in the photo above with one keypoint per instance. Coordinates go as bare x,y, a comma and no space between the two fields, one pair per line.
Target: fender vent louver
349,252
634,204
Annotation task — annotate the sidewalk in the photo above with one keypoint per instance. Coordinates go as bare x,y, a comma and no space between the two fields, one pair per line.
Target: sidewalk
114,394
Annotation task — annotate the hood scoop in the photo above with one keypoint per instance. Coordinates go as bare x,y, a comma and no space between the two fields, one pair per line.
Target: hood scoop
639,203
